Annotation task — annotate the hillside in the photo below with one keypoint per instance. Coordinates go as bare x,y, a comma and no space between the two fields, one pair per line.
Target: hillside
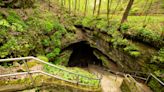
69,36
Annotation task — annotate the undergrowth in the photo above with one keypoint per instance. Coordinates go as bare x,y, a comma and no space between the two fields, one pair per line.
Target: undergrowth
73,77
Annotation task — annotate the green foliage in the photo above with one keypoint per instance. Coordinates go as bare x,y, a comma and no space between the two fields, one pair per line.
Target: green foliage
125,27
4,23
48,25
63,58
159,73
54,53
101,24
44,58
86,22
135,53
46,42
149,35
72,77
7,47
132,50
15,19
155,85
159,59
135,10
119,42
17,27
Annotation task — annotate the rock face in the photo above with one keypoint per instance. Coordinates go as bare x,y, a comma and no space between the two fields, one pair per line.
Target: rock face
109,55
105,51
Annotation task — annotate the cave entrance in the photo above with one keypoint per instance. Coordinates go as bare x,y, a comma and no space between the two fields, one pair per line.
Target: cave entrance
82,55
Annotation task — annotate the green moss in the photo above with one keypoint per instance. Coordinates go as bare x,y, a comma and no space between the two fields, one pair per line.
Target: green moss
135,53
44,58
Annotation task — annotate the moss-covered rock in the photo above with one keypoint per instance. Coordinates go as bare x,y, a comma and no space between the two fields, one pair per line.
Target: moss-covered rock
41,83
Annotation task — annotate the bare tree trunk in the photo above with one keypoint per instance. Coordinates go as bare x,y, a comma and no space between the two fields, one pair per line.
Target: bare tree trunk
86,3
126,13
69,6
79,5
119,2
75,6
49,4
61,2
94,7
109,5
64,2
98,13
108,11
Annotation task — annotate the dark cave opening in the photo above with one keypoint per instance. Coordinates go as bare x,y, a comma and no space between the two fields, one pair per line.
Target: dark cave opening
82,55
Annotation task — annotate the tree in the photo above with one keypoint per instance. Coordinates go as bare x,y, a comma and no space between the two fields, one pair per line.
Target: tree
86,3
98,13
108,9
79,5
69,2
61,1
75,5
94,8
126,13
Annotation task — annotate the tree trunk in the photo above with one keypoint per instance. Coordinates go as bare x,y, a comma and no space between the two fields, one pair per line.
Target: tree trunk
86,3
94,7
126,13
64,2
75,5
61,1
69,6
98,13
108,11
79,5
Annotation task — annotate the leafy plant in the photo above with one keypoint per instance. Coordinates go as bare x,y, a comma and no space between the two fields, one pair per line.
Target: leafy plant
15,18
73,77
160,57
4,23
